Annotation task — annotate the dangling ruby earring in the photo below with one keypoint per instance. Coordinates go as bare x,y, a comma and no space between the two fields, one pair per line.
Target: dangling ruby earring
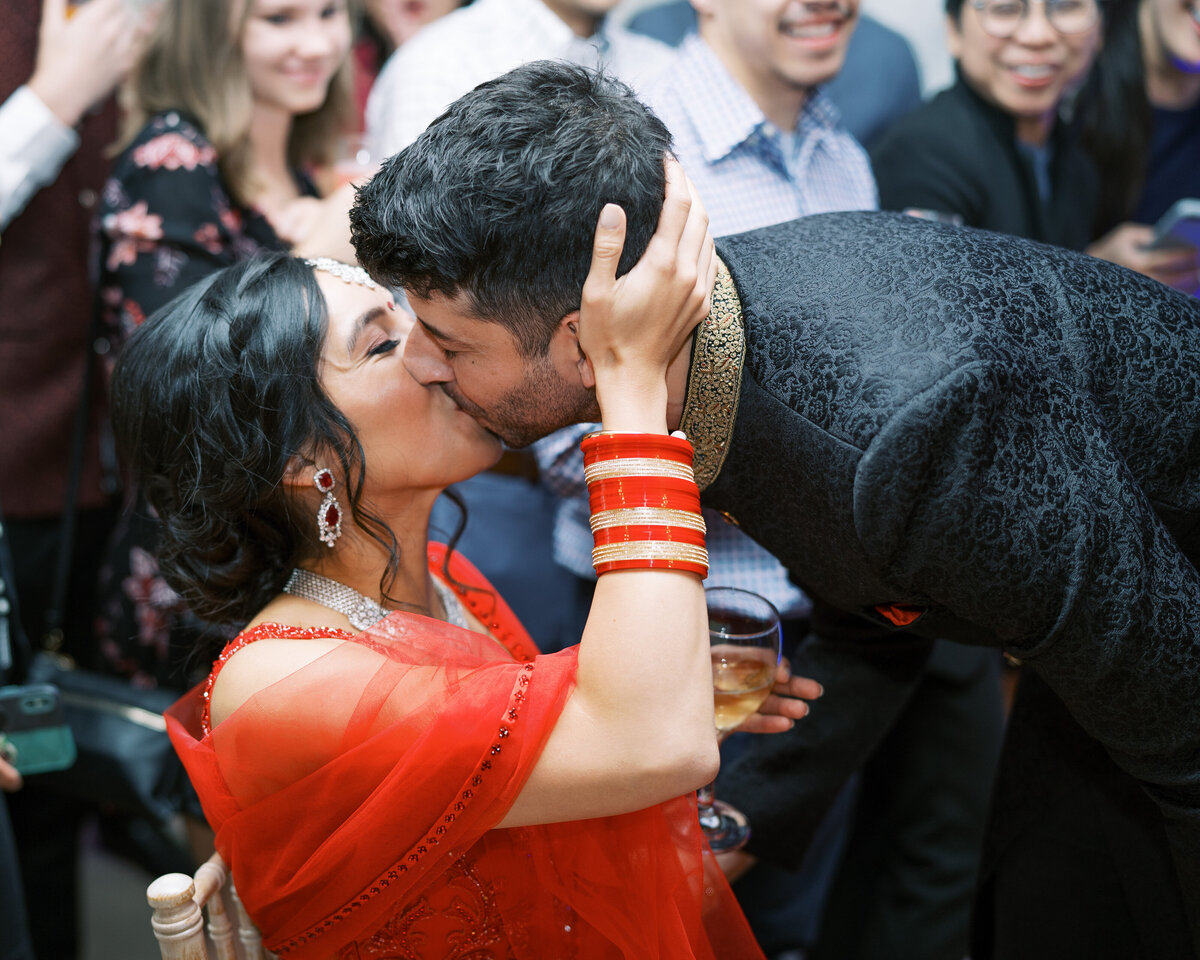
329,513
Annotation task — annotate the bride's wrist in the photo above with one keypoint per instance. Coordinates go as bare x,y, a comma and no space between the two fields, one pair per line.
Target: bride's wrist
633,404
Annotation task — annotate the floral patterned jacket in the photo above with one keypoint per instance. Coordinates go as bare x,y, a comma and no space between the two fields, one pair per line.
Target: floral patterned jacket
167,220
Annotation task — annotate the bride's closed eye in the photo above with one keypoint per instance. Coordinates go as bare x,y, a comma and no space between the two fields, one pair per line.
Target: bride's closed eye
387,346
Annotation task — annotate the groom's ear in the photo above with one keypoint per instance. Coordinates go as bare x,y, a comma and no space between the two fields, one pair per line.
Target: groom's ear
570,326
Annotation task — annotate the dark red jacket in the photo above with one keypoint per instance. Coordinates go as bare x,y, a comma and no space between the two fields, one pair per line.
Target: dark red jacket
46,306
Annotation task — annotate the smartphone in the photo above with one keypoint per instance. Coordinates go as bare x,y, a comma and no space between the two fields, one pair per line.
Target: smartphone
34,735
1178,227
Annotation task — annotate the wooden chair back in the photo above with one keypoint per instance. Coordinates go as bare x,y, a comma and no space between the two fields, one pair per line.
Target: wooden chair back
178,921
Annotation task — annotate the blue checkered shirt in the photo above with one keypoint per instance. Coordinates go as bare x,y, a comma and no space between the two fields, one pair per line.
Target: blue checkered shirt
749,174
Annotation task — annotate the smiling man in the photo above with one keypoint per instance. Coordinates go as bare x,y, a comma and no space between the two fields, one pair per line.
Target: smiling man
992,149
939,432
751,124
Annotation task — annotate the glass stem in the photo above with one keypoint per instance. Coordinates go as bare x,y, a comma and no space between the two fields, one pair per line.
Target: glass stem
704,807
709,818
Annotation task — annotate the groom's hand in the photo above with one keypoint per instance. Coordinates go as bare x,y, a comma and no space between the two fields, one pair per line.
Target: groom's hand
637,323
787,702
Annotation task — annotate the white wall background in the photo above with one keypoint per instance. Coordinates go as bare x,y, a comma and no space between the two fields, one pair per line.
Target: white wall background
923,24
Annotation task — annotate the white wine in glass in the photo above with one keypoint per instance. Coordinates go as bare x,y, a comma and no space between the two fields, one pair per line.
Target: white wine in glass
744,637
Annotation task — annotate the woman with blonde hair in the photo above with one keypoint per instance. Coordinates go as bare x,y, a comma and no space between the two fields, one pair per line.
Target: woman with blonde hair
232,106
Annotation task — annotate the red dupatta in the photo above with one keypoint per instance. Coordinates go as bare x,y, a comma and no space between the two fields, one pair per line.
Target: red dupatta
355,801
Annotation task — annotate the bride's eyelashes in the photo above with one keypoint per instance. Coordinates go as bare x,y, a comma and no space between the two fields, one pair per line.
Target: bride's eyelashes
386,347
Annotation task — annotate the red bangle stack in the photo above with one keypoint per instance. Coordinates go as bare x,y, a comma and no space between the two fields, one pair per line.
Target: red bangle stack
645,503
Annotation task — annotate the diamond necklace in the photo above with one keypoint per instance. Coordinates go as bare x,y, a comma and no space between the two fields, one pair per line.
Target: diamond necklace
362,612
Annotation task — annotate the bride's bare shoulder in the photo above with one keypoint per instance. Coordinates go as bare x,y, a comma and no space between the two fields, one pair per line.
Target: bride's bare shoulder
273,656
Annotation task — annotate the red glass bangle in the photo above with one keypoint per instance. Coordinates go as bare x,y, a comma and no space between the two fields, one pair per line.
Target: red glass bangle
614,488
610,446
684,566
658,534
644,545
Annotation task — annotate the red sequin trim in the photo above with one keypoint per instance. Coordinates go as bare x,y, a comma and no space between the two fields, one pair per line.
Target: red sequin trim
278,631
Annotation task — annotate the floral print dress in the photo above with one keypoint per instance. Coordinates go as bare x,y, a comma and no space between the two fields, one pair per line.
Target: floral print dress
167,220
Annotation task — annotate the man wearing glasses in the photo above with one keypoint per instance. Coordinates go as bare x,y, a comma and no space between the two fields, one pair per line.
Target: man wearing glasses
991,151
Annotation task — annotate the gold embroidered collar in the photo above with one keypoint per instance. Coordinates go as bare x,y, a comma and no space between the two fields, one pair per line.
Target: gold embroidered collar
715,380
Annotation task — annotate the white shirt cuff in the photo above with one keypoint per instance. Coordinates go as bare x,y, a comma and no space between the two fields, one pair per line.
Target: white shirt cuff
35,145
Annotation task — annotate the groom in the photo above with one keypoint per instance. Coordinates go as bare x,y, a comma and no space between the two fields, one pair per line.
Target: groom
939,432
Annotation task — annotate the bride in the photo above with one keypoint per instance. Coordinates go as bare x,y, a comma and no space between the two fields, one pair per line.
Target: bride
391,768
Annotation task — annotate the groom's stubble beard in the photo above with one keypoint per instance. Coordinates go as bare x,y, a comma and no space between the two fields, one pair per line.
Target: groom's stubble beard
542,403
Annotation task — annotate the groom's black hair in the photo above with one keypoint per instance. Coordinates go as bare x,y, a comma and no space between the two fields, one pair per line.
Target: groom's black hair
498,198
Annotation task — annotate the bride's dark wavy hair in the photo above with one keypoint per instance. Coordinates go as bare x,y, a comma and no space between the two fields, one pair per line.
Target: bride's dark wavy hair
212,398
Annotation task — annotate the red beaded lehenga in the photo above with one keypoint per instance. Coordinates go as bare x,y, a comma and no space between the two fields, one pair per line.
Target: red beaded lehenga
355,800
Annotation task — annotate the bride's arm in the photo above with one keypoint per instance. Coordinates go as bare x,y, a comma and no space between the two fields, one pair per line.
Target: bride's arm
638,728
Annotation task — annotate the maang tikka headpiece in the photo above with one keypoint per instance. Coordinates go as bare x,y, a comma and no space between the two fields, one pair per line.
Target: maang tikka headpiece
346,272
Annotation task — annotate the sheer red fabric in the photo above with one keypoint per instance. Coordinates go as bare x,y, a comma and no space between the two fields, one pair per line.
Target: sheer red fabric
355,802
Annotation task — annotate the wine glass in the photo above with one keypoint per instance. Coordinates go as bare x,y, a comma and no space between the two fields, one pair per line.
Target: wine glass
744,637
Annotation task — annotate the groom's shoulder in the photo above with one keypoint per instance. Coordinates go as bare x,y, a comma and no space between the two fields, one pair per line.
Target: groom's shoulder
872,225
827,239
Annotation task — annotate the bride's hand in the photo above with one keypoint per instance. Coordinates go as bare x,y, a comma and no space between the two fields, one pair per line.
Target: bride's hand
631,327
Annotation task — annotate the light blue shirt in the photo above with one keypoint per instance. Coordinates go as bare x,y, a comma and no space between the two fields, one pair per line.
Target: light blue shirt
749,174
878,84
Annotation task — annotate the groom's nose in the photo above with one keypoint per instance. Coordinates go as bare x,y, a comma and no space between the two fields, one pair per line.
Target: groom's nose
424,359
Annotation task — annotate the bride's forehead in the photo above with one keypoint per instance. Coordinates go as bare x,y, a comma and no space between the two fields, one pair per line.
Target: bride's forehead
346,301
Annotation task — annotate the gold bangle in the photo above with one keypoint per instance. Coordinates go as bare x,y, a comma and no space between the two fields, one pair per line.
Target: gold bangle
649,550
637,467
647,516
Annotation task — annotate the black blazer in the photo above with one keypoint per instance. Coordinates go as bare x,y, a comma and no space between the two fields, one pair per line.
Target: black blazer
958,154
1002,434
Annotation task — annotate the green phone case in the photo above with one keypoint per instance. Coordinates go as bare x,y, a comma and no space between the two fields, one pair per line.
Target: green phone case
34,735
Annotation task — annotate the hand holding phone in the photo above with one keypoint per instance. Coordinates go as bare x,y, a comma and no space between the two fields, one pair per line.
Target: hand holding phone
1133,245
1178,227
34,735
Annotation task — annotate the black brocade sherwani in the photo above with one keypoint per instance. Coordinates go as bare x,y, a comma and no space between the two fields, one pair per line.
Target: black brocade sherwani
1003,435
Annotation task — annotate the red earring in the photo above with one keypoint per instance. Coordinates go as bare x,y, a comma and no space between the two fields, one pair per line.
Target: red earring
329,513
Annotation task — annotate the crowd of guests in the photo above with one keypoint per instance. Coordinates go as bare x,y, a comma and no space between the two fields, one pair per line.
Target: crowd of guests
1074,123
